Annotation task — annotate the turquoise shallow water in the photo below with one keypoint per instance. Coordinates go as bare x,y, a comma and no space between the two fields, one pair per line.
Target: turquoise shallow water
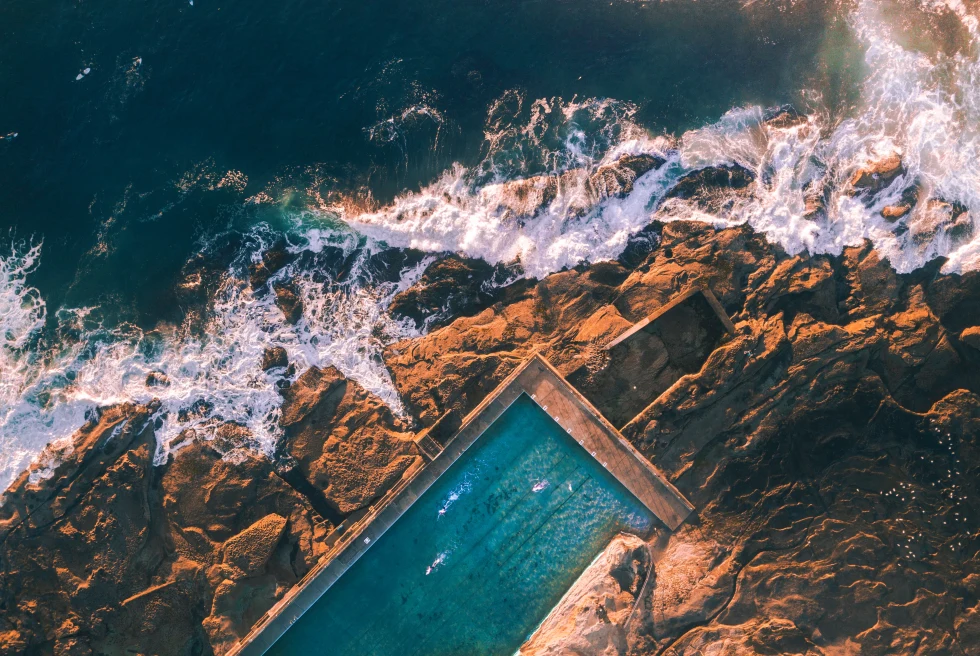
480,559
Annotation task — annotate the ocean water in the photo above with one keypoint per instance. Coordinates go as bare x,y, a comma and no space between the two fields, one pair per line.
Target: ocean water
150,152
480,559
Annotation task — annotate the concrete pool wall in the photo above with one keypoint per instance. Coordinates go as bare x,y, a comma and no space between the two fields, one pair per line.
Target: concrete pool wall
545,386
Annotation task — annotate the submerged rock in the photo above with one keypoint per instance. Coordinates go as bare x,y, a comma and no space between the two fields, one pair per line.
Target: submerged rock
271,262
784,117
939,217
877,175
274,357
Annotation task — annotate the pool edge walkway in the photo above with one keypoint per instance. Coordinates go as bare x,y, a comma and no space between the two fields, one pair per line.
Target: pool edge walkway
572,411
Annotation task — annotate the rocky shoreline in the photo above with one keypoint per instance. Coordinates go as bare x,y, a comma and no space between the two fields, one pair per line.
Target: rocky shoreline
829,447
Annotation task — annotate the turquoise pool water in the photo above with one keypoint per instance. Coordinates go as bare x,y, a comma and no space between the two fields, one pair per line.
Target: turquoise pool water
482,557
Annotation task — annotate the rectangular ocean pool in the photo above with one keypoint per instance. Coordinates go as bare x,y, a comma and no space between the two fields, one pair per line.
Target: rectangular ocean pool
482,556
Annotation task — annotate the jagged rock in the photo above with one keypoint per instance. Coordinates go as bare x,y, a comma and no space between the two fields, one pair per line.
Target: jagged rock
962,227
592,618
877,175
909,199
971,336
968,631
250,550
703,183
814,201
345,441
895,212
240,591
288,300
454,287
794,440
647,362
525,198
820,445
109,553
872,286
939,217
269,264
582,189
274,357
157,379
616,180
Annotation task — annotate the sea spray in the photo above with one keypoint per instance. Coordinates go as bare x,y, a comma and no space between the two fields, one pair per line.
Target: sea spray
22,314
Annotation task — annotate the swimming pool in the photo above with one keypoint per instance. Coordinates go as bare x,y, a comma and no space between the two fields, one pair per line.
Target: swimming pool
482,556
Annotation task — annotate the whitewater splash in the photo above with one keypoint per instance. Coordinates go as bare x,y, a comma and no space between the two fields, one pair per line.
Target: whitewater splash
201,379
923,106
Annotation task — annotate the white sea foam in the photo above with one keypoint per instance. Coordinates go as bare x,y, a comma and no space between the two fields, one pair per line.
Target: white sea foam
22,313
209,379
923,105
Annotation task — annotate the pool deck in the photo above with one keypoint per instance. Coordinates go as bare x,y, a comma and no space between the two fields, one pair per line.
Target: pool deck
540,381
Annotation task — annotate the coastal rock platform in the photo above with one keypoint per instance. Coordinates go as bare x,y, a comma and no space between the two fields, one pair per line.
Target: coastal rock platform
829,445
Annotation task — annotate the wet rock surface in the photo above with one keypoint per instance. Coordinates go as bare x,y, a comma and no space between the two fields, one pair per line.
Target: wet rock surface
876,175
579,189
452,287
704,185
274,357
